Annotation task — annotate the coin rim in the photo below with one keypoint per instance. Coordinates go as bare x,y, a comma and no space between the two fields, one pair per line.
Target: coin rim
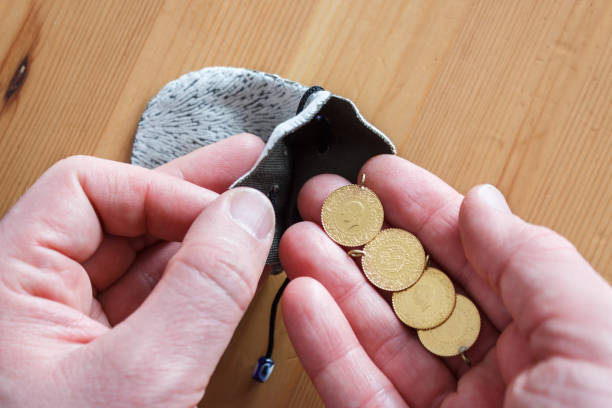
402,318
352,243
467,346
367,273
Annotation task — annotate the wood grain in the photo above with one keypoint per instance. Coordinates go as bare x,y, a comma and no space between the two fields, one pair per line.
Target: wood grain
515,93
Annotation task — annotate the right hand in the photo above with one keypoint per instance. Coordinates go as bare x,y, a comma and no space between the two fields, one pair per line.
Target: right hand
546,336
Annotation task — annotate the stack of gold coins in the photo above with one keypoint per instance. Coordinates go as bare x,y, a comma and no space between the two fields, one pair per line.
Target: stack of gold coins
394,260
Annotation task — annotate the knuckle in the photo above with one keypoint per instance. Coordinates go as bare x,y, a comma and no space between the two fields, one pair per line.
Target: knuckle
221,266
380,159
64,168
71,162
545,242
540,380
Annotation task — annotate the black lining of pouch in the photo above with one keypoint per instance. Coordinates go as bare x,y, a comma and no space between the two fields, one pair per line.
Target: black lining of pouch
349,145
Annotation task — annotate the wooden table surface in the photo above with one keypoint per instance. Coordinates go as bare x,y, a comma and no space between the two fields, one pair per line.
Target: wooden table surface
514,93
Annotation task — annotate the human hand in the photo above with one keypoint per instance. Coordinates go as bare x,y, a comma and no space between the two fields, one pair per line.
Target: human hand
83,318
546,328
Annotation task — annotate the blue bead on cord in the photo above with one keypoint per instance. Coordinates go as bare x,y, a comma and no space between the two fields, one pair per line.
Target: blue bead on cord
263,369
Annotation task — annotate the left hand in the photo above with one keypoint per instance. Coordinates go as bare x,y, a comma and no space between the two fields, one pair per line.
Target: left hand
83,318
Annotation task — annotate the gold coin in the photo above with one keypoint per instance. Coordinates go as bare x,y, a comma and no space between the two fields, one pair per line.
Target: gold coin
352,215
394,260
427,303
459,330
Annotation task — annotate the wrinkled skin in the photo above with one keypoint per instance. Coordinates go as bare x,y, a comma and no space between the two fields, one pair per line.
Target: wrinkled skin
546,337
122,287
83,318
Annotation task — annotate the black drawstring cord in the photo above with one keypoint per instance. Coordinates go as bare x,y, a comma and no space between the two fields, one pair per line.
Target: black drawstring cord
265,364
273,311
307,94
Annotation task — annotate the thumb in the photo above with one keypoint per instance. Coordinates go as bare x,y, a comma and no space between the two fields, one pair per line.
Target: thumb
173,342
552,293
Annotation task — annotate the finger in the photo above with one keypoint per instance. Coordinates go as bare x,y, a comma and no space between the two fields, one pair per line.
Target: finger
310,201
513,353
338,366
305,251
214,167
421,203
187,321
553,294
97,313
482,386
125,295
486,341
561,382
314,192
111,259
83,197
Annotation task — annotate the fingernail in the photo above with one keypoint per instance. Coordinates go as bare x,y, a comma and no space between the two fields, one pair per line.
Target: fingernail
493,197
252,211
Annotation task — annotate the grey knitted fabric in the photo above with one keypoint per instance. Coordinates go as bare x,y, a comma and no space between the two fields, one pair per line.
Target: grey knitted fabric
206,106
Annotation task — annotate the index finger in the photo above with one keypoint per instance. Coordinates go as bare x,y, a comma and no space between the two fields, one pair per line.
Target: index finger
214,167
217,165
73,203
419,202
